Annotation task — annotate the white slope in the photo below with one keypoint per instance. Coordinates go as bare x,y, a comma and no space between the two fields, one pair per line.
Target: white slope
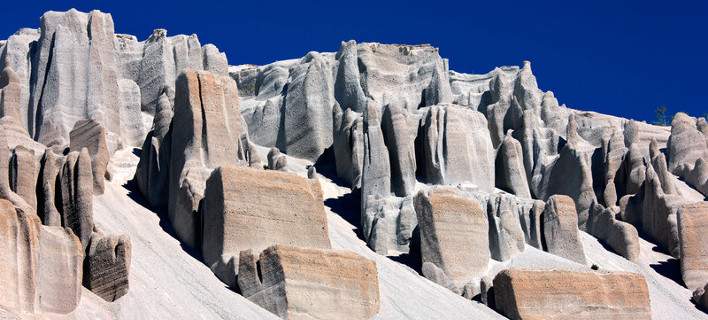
404,293
165,281
669,300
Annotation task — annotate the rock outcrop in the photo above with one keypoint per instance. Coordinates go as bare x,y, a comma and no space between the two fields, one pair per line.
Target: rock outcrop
107,265
692,229
558,294
303,283
91,135
245,208
450,224
560,229
42,266
206,133
456,147
76,202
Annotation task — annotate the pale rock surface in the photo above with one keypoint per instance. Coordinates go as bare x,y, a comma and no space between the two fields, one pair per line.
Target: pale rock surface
206,133
456,147
392,221
620,236
692,230
23,174
560,229
557,294
305,283
75,202
41,269
454,234
510,172
399,136
107,265
91,135
250,209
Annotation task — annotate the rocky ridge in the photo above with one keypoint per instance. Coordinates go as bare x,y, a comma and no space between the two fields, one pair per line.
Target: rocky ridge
480,183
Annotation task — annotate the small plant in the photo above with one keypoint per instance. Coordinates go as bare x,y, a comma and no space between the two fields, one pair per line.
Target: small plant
661,115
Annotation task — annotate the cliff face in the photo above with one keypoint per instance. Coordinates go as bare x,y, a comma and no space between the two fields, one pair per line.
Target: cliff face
473,181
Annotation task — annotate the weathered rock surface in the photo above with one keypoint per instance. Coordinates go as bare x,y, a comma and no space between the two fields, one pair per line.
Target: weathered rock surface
450,225
107,265
510,172
560,229
391,221
528,294
23,174
304,283
692,230
245,208
91,135
76,202
621,236
456,147
206,133
41,269
700,298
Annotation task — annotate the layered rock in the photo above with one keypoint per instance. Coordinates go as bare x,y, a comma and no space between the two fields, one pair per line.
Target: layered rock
41,270
246,208
692,229
450,224
621,236
510,172
560,229
289,103
558,294
688,151
107,265
91,135
456,147
571,174
206,133
391,222
64,92
303,283
23,174
76,202
277,160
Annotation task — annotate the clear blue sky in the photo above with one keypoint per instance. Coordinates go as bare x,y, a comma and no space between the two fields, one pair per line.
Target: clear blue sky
620,57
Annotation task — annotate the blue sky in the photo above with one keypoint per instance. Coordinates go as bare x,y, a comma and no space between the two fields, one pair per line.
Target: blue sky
620,57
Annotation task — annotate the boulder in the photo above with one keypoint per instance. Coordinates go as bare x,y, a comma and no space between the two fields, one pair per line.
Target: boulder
692,230
306,283
559,294
277,160
91,135
560,229
450,226
107,265
42,266
245,208
700,298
